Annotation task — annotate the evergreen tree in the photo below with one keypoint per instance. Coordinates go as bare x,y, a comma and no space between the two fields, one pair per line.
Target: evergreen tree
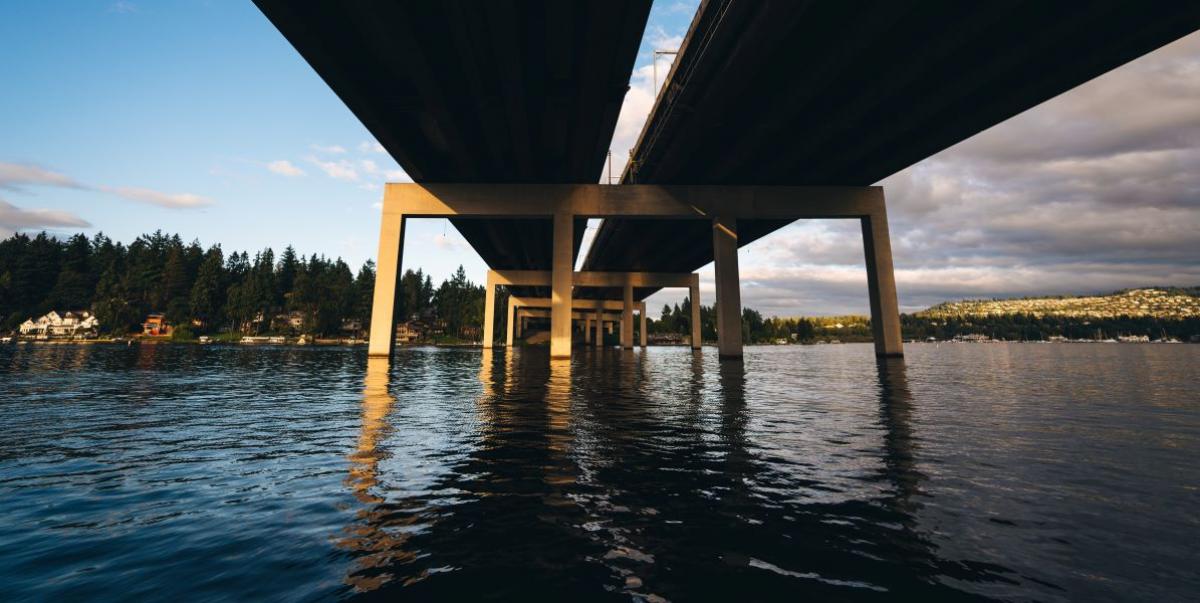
207,295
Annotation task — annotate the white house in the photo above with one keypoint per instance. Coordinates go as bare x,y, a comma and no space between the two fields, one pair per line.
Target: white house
56,326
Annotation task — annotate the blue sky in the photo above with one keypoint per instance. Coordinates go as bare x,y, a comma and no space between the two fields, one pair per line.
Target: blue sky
199,118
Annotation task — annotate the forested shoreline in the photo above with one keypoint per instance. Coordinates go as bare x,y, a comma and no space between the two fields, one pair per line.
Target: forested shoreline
204,291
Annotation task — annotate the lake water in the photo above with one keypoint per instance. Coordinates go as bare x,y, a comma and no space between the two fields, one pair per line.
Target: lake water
1019,471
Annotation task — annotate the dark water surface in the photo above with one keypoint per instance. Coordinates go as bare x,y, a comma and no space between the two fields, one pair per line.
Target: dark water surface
1050,472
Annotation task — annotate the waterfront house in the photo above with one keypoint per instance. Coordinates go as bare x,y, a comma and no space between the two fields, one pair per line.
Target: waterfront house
293,320
406,332
72,325
352,326
156,325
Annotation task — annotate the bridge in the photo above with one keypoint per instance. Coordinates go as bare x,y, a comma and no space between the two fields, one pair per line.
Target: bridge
773,111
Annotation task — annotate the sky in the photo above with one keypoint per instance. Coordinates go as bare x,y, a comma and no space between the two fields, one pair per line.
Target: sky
198,117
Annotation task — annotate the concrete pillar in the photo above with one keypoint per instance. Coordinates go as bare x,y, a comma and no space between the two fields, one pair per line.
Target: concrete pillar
694,295
489,312
512,314
520,325
729,295
562,271
881,286
598,340
642,329
387,285
627,318
587,329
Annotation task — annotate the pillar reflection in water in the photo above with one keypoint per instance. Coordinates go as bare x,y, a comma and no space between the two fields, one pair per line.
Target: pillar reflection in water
895,408
374,538
561,471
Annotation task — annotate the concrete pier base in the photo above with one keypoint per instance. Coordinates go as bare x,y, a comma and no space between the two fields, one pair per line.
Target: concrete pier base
694,296
560,286
729,294
642,326
598,340
489,312
512,314
881,286
387,285
627,317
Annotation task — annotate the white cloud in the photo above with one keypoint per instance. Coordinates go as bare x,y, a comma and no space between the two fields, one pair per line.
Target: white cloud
450,243
332,149
371,168
639,100
341,169
13,176
13,219
161,199
370,146
284,167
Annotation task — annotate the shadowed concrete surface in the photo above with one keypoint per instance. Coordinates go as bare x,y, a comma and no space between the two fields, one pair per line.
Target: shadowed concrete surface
462,91
819,93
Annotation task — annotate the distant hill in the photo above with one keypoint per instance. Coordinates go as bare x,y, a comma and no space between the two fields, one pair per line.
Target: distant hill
1171,303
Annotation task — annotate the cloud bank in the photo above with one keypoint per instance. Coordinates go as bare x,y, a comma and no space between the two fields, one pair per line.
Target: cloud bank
13,219
1095,190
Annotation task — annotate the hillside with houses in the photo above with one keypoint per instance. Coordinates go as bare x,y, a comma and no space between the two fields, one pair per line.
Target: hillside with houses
1162,303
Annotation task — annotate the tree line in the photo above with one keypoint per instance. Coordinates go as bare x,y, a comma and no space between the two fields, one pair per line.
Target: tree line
1009,327
677,320
205,290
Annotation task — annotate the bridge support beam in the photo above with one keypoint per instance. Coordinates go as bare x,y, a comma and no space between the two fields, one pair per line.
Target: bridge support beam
881,286
729,295
723,206
512,314
642,326
489,312
627,317
598,340
694,296
387,286
560,286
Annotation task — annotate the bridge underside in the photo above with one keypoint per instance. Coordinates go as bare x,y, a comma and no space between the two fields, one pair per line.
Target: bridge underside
848,93
479,92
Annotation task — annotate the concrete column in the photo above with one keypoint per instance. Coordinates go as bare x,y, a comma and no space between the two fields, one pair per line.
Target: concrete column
627,318
520,325
587,329
598,340
694,295
512,314
489,312
561,277
387,285
729,295
881,285
642,330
